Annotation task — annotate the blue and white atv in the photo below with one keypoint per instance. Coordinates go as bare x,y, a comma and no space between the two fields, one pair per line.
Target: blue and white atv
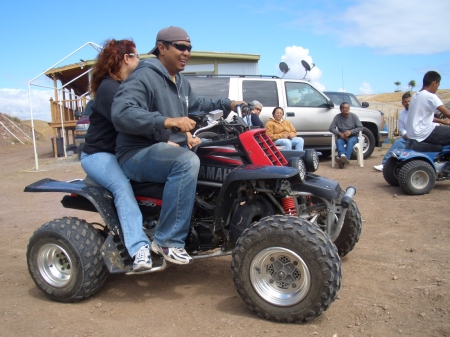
417,167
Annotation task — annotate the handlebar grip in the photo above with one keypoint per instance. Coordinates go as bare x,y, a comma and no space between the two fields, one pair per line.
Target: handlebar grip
174,129
348,197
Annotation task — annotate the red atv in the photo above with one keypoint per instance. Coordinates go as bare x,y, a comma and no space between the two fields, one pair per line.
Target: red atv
284,226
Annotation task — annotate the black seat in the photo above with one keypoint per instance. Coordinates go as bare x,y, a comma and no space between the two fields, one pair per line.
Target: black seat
153,190
413,144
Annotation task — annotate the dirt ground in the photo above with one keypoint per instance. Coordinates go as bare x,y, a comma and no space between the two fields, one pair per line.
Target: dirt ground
395,282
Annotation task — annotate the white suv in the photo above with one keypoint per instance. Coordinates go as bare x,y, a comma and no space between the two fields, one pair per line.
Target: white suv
306,107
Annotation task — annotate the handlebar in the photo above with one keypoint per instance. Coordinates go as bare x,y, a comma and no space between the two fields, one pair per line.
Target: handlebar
348,197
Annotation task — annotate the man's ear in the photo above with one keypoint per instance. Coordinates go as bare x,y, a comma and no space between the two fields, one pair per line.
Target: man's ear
161,49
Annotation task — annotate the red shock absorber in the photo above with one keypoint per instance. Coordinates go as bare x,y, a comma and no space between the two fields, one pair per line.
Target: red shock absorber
289,206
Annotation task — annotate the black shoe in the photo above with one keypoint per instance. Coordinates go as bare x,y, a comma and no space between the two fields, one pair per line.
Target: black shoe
340,164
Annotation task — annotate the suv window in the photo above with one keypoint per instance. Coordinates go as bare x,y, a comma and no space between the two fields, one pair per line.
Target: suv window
303,95
210,87
265,92
339,97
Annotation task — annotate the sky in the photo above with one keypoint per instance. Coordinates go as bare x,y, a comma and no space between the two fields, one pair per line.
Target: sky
362,47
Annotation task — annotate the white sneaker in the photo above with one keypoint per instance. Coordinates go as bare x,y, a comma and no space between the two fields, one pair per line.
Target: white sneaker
378,168
171,254
142,260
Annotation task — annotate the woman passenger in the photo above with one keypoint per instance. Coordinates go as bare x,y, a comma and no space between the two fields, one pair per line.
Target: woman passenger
115,62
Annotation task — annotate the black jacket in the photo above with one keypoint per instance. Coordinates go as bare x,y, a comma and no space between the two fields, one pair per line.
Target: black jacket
101,135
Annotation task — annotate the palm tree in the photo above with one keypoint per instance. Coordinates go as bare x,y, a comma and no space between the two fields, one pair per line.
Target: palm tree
397,84
412,84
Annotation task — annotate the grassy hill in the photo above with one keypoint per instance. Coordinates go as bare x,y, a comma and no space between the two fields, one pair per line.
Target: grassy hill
40,126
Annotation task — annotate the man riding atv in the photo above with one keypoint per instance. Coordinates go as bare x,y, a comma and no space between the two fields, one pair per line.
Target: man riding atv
153,101
421,124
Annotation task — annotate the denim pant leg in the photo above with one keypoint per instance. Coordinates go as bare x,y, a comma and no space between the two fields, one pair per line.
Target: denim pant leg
340,146
104,169
178,168
284,142
399,143
349,147
297,143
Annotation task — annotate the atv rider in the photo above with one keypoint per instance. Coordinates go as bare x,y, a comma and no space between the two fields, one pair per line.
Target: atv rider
421,124
115,63
150,112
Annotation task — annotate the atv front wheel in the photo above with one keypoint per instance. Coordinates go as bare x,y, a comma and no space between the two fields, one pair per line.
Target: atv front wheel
65,261
286,269
417,177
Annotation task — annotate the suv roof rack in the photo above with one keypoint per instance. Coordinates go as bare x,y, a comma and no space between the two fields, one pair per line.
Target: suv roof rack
230,75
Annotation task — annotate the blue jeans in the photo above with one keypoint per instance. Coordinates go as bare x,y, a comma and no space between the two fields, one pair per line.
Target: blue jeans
346,146
400,143
178,168
104,169
296,143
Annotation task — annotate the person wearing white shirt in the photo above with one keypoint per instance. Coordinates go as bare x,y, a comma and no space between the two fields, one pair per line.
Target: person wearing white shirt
399,143
421,123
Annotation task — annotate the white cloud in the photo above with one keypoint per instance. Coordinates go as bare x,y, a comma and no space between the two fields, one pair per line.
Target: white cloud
365,89
397,27
16,103
390,27
293,57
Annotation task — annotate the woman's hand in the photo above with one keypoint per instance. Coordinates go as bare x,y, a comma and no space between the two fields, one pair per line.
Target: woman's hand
191,141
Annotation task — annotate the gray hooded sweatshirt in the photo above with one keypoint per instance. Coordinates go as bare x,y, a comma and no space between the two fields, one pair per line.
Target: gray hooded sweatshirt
143,102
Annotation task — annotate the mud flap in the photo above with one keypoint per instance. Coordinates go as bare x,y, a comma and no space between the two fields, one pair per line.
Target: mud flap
117,260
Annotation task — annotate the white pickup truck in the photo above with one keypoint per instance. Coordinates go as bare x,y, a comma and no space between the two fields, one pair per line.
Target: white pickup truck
305,106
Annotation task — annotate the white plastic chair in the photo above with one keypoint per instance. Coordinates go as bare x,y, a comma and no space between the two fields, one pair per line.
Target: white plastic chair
359,148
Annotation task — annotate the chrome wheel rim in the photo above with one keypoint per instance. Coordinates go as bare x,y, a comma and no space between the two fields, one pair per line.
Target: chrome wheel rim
420,179
280,276
55,265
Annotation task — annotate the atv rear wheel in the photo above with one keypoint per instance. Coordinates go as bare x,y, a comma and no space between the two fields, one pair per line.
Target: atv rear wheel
286,269
65,261
417,177
391,168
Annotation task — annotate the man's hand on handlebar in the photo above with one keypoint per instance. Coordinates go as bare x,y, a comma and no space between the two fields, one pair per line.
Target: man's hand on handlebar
183,124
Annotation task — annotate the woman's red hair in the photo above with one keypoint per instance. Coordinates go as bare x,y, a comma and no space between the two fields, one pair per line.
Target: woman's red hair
109,61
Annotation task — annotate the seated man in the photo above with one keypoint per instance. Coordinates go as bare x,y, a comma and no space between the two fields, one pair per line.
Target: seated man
346,127
421,123
255,112
252,119
399,143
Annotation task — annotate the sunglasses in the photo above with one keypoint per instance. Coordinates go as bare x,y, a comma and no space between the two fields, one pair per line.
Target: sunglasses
179,46
132,54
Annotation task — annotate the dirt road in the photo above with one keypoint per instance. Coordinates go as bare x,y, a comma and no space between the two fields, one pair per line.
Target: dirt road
396,282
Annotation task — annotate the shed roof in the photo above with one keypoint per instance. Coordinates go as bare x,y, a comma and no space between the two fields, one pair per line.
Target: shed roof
68,73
